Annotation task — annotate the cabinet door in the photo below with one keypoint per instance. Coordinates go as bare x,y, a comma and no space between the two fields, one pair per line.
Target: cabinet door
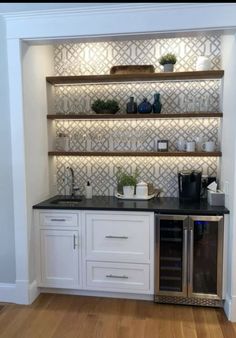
205,256
59,259
171,255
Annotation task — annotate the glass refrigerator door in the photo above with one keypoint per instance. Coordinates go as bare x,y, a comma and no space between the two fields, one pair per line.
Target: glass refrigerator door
205,256
171,255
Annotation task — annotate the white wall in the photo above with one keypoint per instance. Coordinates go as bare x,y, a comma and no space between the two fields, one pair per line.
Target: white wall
37,64
228,174
7,244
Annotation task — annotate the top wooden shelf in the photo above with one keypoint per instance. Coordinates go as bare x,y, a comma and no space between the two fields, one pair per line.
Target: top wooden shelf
193,75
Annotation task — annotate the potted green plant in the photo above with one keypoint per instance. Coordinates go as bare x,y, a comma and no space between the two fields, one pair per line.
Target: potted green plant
168,61
126,182
105,106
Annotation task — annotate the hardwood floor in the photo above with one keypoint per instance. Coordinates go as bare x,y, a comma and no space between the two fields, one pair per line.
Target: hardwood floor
63,316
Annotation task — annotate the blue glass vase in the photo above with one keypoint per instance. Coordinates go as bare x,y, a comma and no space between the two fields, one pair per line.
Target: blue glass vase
157,104
145,107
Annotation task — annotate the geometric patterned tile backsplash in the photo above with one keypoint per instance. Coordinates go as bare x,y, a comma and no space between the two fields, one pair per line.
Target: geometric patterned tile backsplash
98,57
176,97
92,58
100,171
131,135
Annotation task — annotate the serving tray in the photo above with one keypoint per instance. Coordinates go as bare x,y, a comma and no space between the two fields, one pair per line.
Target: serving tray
132,69
148,197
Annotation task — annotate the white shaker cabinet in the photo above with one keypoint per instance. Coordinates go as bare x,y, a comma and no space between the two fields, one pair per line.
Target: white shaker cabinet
59,258
58,249
95,250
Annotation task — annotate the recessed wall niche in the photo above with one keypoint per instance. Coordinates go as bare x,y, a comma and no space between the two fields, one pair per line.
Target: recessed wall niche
96,58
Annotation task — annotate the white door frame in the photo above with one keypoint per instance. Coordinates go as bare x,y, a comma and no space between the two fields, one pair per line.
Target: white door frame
102,20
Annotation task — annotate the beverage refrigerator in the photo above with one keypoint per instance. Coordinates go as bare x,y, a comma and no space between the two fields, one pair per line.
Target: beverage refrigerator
189,259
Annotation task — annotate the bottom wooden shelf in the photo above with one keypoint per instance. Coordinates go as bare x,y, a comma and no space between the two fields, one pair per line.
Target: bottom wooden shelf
136,153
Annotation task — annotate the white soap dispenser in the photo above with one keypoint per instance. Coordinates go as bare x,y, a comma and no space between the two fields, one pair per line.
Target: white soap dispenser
88,191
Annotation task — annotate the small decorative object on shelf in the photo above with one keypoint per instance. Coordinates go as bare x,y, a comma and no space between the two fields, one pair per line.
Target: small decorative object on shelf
63,142
145,107
168,61
203,63
105,107
162,145
131,107
156,107
132,69
126,182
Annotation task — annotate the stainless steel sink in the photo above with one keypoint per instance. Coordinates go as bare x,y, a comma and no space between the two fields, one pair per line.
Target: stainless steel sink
70,201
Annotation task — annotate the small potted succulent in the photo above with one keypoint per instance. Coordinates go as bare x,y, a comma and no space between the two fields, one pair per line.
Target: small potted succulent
105,107
126,182
168,61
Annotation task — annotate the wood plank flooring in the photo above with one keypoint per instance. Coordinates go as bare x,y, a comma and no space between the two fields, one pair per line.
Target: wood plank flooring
63,316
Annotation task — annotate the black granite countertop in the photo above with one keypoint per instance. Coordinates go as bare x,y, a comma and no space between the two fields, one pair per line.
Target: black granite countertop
163,205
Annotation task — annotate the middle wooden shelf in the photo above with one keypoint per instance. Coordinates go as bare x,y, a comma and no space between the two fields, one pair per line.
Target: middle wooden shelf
132,116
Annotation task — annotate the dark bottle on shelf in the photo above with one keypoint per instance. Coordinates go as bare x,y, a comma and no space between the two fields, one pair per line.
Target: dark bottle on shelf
145,107
131,107
156,107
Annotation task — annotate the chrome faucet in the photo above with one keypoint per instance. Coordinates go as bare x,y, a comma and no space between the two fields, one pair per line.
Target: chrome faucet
72,187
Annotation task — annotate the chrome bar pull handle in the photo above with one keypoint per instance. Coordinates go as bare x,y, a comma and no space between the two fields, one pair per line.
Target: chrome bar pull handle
58,219
120,237
74,242
117,276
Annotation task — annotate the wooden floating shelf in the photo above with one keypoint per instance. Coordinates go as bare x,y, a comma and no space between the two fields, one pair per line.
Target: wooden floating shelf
136,154
129,116
192,75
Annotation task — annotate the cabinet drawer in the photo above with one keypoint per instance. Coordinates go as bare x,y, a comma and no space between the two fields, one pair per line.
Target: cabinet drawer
118,237
58,219
117,277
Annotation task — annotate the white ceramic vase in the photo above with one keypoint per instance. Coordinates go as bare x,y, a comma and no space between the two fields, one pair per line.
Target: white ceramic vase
203,63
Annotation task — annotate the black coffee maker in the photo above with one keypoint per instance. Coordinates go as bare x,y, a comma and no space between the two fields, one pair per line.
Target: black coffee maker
189,185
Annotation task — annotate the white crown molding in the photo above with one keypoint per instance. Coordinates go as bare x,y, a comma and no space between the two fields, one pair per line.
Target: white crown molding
110,8
115,20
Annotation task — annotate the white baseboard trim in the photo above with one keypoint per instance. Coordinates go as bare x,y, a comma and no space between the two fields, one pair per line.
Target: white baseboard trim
26,292
98,293
230,308
22,292
19,293
7,292
34,291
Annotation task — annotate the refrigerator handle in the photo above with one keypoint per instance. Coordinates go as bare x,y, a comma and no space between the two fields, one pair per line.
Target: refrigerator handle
180,183
185,261
190,263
